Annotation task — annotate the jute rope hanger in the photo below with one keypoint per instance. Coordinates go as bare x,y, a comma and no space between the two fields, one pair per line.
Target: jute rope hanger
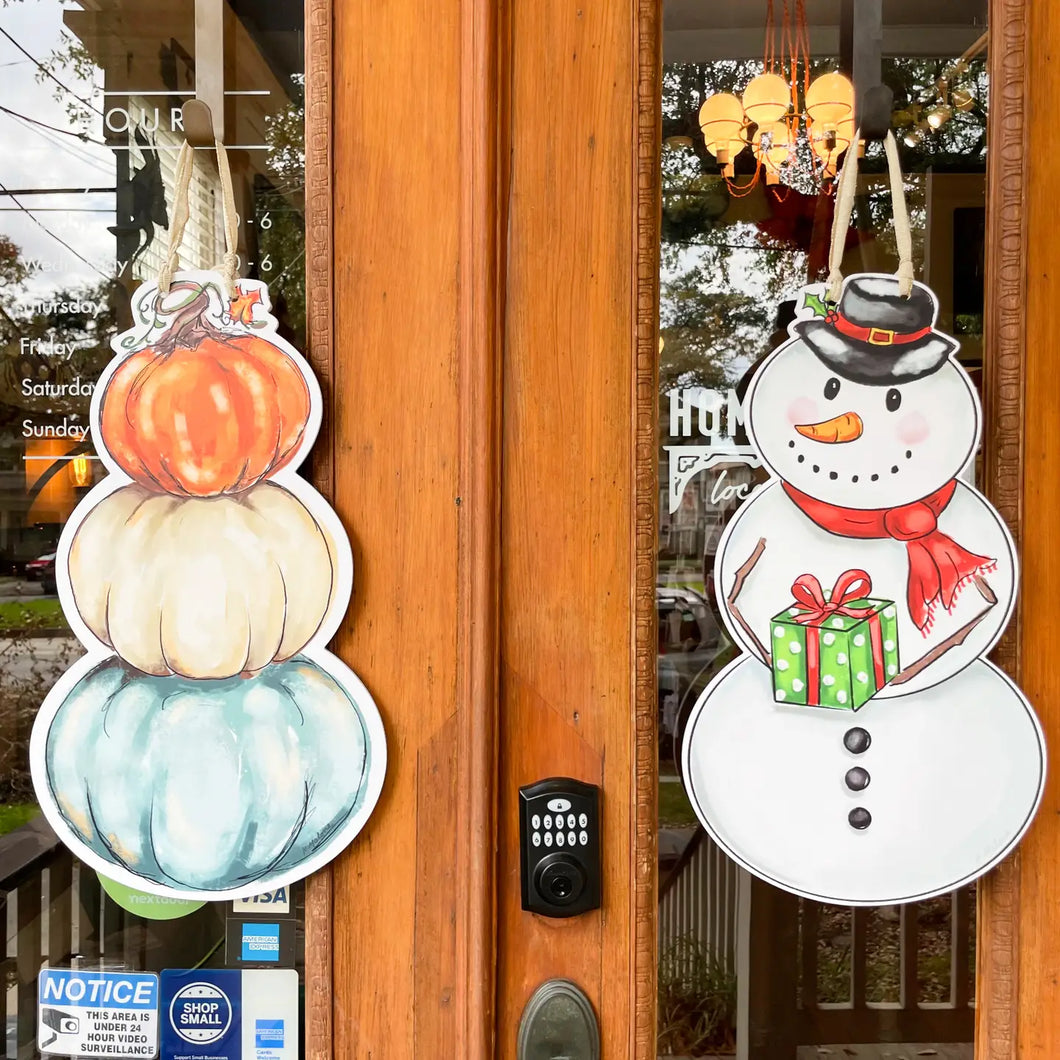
844,205
182,213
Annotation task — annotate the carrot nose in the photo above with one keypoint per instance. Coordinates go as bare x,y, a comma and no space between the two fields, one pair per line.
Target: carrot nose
843,428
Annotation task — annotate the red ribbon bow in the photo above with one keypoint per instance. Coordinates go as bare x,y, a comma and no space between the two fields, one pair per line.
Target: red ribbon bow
850,585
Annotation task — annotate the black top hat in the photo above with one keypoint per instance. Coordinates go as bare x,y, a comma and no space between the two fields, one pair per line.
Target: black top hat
877,337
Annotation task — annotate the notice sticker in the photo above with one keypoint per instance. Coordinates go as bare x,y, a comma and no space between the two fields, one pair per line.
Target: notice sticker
106,1014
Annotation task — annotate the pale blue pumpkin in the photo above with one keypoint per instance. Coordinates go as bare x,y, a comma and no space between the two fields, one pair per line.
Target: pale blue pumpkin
208,785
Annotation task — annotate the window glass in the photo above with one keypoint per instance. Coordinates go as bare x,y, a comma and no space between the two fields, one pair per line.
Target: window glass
739,960
90,123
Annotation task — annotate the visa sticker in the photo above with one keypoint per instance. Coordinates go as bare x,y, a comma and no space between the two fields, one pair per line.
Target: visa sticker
271,902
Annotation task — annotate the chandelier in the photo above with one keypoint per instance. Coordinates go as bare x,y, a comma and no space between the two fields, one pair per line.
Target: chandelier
793,129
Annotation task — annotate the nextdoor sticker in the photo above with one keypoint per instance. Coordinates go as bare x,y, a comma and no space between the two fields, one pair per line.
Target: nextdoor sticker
105,1014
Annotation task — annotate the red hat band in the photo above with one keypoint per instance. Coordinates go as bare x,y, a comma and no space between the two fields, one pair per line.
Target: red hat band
874,336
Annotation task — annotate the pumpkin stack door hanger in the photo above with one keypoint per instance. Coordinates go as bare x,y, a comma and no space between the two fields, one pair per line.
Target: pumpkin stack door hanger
863,751
208,746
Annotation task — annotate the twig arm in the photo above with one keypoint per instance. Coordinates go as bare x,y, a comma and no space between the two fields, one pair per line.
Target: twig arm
737,585
952,641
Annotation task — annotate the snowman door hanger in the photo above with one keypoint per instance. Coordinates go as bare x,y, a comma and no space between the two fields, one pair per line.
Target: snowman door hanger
864,751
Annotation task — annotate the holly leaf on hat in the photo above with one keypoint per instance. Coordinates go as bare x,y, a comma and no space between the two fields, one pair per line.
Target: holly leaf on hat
815,302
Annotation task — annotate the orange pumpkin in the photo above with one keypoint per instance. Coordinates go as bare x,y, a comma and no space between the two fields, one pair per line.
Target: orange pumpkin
204,412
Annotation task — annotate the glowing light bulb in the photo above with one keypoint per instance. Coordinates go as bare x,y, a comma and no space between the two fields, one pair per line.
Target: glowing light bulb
766,99
939,116
79,470
830,99
722,120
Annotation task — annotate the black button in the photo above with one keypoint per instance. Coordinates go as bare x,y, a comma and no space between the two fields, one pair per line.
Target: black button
859,818
857,778
857,740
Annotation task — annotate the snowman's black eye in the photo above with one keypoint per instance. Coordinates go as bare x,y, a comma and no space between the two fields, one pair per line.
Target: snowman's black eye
894,400
831,388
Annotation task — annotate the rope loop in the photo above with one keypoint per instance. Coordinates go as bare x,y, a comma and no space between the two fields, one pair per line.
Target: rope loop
846,189
182,213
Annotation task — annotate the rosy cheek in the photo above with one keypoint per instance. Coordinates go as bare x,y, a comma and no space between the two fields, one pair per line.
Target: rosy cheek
913,428
802,410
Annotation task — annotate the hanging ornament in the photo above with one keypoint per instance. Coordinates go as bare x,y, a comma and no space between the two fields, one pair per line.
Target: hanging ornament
843,757
773,146
829,142
208,746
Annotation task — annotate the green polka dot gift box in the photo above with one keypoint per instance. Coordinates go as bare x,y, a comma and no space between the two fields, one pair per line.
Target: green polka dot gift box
835,652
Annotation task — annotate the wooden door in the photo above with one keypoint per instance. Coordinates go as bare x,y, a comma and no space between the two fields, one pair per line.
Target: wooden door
483,278
487,334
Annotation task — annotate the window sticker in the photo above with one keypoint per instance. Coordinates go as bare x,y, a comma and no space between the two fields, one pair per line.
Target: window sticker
104,1014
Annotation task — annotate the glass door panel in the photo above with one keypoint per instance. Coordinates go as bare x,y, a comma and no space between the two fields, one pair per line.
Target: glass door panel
90,120
742,965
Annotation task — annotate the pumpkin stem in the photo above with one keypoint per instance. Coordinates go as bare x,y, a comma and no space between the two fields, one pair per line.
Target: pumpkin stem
189,325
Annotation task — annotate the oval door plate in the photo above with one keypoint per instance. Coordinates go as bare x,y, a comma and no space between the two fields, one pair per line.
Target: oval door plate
559,1024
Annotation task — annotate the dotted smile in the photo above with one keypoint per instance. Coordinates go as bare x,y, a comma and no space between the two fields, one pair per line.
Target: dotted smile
833,475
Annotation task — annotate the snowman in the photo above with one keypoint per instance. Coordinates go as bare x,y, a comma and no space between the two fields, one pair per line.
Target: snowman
863,751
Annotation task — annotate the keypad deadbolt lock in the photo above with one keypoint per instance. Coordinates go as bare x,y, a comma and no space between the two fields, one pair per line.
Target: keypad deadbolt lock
559,830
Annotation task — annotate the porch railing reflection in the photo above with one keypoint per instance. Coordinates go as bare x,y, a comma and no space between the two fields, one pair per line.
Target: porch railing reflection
58,914
817,975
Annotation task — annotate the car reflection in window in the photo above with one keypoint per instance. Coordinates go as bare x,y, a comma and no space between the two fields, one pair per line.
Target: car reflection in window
692,648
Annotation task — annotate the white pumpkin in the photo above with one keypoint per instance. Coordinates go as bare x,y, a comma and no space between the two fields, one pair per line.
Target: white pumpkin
202,587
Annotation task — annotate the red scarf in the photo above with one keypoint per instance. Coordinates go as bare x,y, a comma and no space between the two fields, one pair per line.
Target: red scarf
938,567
